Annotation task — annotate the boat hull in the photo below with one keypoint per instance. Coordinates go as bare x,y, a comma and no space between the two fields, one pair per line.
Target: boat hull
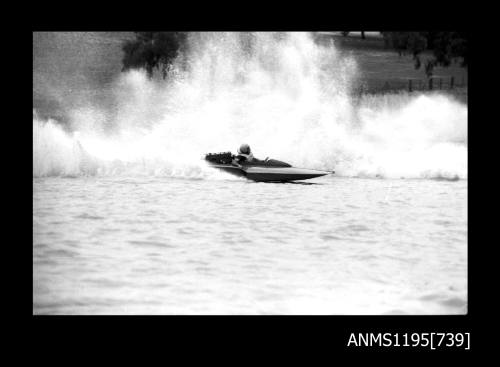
271,174
282,174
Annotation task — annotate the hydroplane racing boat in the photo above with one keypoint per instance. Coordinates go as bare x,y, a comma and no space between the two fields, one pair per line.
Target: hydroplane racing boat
268,170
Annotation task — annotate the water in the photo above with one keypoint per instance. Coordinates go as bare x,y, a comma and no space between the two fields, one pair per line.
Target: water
128,218
185,246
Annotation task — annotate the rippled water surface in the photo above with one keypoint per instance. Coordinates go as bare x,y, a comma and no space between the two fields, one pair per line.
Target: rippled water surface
151,245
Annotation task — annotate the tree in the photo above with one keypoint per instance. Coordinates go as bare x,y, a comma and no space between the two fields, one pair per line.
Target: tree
152,50
447,47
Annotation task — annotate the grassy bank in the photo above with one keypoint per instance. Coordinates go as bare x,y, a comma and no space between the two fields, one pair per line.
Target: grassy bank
383,70
71,69
396,99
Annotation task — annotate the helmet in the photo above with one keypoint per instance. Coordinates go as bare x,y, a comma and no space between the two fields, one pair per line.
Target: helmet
244,149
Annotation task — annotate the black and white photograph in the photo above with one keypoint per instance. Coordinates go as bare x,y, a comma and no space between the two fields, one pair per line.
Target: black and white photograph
250,173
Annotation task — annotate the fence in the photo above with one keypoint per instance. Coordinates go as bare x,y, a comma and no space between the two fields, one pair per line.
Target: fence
412,84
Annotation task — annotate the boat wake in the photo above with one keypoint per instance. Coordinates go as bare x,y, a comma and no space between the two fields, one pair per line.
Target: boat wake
286,96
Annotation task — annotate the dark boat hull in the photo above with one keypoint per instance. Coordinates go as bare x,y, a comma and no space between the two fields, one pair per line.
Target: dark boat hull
271,174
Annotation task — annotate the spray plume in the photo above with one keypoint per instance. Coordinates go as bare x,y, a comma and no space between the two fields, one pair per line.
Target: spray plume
283,94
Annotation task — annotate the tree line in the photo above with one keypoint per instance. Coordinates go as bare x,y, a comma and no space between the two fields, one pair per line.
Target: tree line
152,51
446,47
156,50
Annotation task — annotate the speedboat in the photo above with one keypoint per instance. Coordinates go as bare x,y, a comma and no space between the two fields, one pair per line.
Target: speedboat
268,170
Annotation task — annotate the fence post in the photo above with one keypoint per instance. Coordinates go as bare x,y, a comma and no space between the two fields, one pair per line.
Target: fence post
430,83
409,85
452,82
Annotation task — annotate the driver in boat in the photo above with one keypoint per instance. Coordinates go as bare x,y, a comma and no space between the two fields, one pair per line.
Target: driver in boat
244,154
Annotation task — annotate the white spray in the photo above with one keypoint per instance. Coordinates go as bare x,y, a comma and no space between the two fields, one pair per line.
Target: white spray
283,94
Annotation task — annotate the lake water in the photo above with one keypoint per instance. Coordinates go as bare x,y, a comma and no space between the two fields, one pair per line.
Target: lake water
164,245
